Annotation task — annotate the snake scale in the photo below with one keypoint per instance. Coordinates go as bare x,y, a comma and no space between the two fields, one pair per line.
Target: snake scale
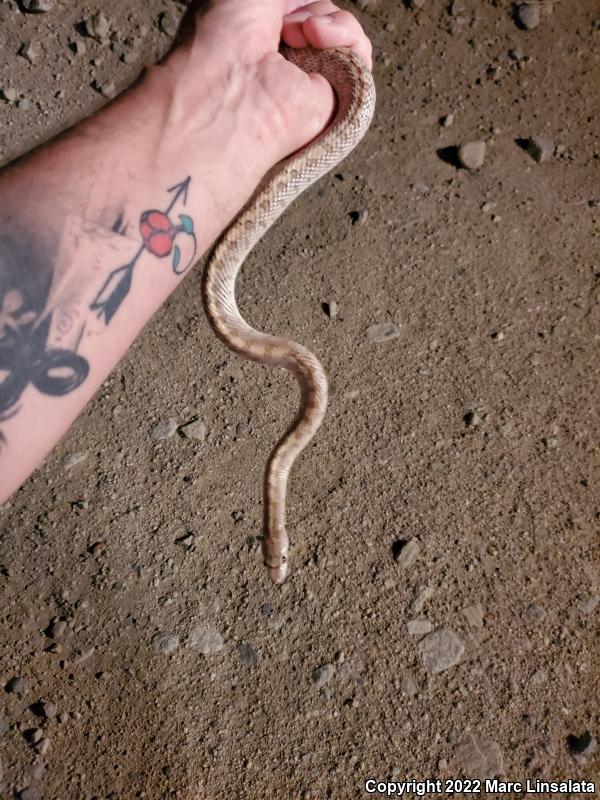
354,88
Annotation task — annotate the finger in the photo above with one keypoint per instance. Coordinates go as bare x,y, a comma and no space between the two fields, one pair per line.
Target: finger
337,29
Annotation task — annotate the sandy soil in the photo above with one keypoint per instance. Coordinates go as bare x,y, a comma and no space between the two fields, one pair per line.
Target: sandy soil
457,467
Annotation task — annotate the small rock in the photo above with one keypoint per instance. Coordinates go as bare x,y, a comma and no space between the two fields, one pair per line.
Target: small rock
417,5
108,90
33,735
551,442
516,54
382,332
322,675
167,23
84,655
97,548
441,650
207,641
266,609
528,15
4,726
448,120
589,604
418,627
29,51
31,793
359,216
187,540
194,430
38,6
479,757
474,615
24,104
248,655
238,516
472,154
408,685
424,594
540,148
72,459
581,747
43,746
98,26
534,612
45,710
10,94
331,309
16,686
472,419
405,552
57,628
163,429
165,642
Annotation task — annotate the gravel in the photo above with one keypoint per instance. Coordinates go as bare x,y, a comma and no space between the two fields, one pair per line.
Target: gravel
322,675
17,686
528,15
540,148
382,332
163,429
406,552
474,615
248,655
479,757
206,641
196,430
165,642
418,627
472,155
441,650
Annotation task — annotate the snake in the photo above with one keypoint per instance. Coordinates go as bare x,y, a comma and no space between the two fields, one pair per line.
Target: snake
354,91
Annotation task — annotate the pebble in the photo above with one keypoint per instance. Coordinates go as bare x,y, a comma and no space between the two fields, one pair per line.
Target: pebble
408,684
72,459
43,746
17,685
474,615
168,23
56,629
472,154
4,726
528,15
195,430
187,540
581,747
29,51
540,148
84,655
31,793
331,309
45,710
322,675
10,94
34,735
479,757
38,6
98,26
24,104
165,642
589,605
441,650
551,442
418,627
417,4
248,655
163,429
424,594
207,641
448,120
405,552
382,332
535,612
359,216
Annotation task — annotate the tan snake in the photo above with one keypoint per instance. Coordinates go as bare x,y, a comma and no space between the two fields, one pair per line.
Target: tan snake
355,91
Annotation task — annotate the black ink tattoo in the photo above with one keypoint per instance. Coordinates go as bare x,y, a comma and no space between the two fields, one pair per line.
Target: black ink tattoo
158,238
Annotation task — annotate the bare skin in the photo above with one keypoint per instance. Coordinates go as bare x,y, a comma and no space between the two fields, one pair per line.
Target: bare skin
98,227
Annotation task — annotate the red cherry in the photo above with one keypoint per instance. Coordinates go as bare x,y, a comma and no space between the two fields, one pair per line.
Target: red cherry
160,244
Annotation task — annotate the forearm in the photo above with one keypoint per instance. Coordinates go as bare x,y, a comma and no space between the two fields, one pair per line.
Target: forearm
79,276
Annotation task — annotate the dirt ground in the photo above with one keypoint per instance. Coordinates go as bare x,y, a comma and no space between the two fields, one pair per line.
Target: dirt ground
441,618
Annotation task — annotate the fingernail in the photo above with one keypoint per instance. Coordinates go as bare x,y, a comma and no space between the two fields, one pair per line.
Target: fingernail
326,19
298,16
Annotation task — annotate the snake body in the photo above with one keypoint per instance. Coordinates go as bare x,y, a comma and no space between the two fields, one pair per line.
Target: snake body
354,88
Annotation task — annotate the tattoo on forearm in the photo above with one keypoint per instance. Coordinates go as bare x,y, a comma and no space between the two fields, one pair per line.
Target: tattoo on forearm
44,312
158,235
